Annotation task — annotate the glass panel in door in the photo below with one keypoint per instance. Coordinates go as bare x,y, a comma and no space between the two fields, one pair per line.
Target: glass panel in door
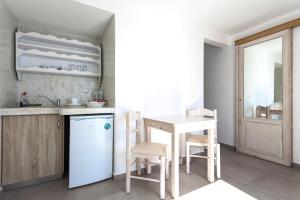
263,80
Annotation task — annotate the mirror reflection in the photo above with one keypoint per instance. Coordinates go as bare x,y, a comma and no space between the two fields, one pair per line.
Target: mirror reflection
263,80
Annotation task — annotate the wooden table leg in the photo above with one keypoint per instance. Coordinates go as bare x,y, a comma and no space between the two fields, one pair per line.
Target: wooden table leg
182,148
148,139
138,141
175,166
211,155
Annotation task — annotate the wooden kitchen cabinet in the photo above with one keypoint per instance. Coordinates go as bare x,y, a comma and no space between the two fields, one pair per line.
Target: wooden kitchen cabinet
32,148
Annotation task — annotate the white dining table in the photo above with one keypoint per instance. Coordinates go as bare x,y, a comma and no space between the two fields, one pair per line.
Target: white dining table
177,125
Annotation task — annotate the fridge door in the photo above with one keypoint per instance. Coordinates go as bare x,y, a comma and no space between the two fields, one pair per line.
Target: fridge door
91,149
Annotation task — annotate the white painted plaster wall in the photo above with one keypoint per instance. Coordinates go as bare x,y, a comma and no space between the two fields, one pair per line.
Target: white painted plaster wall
159,68
159,65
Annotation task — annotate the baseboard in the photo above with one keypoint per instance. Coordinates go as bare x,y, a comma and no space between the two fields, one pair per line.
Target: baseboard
31,182
296,166
231,147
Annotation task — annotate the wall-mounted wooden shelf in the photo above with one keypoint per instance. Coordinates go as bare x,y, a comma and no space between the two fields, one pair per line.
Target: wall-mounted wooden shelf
52,54
27,46
34,51
36,70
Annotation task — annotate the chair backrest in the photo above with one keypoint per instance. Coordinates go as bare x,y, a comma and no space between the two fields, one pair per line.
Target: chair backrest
262,111
203,112
130,128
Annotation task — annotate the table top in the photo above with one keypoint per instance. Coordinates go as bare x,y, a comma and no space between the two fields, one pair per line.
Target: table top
179,119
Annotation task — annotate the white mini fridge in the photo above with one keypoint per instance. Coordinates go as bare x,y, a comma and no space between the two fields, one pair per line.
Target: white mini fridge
91,149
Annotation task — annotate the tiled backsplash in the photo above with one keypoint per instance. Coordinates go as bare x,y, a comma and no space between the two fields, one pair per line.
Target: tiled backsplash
56,87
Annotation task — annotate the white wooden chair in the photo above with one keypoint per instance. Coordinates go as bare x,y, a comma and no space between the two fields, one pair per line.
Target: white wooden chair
201,140
143,151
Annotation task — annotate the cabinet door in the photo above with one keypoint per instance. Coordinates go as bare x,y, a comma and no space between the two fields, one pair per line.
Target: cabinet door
32,147
50,145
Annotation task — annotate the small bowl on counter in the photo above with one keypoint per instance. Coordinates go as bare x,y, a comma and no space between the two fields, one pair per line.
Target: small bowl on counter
95,104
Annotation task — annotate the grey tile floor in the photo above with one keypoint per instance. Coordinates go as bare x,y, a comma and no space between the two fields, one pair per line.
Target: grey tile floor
258,178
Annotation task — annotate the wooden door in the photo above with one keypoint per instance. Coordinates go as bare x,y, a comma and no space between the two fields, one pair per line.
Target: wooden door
265,98
32,147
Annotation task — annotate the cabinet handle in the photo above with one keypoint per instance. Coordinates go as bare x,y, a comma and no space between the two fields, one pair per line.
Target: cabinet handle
58,124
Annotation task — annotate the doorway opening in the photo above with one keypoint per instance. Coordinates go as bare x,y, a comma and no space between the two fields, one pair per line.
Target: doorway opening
219,88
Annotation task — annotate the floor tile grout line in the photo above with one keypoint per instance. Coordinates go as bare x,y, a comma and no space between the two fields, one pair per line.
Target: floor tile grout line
262,192
264,174
268,173
282,176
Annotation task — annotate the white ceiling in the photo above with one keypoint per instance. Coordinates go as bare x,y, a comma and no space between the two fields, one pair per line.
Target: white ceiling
227,17
65,16
231,17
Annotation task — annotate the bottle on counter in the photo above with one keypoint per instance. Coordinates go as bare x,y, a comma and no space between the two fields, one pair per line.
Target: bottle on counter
24,100
98,95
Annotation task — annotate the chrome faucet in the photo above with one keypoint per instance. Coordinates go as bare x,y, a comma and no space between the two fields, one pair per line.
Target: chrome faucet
57,103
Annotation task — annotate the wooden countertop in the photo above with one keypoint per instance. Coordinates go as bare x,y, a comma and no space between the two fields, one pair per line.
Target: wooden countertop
53,111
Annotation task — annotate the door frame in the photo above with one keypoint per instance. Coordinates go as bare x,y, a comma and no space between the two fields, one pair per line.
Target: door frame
287,96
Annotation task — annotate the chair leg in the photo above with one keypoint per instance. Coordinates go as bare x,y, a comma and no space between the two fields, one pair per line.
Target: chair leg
167,168
148,167
187,158
162,177
182,147
128,176
218,161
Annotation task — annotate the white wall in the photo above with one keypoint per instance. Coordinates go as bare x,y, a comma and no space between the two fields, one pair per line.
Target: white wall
8,84
296,95
159,64
219,92
159,68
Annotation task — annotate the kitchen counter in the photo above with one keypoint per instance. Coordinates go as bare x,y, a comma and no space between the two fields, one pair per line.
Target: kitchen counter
53,111
85,111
